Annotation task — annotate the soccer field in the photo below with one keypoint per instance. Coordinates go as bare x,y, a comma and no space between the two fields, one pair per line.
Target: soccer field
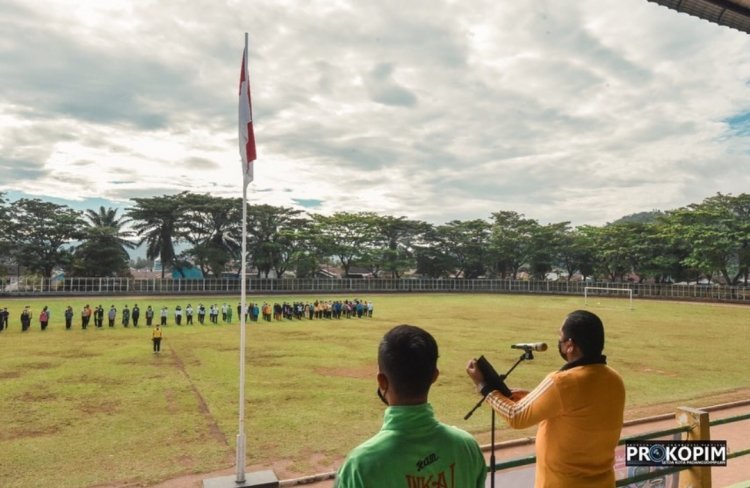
97,407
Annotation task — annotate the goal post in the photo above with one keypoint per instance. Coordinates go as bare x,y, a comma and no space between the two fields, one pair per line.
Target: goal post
587,289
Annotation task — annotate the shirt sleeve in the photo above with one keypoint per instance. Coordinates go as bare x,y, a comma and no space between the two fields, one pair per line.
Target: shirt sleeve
348,477
541,403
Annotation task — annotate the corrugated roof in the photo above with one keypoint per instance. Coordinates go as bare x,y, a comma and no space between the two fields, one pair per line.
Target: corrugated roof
730,13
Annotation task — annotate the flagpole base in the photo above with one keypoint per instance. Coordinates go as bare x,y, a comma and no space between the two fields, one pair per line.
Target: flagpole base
256,479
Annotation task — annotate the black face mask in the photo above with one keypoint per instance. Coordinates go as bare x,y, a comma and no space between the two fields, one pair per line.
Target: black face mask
559,349
382,398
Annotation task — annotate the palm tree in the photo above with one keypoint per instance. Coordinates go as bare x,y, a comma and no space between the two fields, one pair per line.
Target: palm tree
104,247
157,220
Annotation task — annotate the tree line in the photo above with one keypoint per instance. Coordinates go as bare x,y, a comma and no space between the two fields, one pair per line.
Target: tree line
707,240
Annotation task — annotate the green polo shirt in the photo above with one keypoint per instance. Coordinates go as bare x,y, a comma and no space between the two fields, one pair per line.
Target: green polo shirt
414,450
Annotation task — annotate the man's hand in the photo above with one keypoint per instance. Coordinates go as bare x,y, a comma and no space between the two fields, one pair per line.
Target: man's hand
475,374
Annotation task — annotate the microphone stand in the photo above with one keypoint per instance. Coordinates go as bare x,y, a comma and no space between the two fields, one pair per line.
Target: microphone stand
526,356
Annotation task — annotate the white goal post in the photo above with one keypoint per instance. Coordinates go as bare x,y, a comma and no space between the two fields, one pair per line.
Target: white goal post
604,288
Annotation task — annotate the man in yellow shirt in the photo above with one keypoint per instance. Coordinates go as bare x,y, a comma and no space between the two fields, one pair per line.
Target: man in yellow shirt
156,337
579,410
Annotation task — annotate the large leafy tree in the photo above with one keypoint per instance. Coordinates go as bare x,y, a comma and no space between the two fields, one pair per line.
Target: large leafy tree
6,228
612,249
159,221
213,226
717,234
42,234
395,244
548,244
511,243
468,243
104,247
276,237
348,237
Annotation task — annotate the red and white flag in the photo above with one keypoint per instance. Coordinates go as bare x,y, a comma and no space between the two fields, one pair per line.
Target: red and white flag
247,136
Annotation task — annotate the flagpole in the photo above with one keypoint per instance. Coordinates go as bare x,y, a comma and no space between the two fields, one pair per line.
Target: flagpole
243,315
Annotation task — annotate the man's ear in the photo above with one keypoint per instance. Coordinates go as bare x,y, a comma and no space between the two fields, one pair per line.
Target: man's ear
435,375
382,382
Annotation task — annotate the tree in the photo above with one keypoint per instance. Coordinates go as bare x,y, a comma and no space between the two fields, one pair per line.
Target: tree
158,221
611,249
547,247
717,232
275,237
349,237
42,229
395,244
6,230
213,226
103,250
511,241
467,243
576,253
432,255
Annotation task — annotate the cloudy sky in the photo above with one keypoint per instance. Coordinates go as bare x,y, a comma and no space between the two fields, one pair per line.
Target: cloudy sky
579,110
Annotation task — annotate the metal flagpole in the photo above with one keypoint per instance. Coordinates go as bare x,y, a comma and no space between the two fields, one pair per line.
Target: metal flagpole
243,307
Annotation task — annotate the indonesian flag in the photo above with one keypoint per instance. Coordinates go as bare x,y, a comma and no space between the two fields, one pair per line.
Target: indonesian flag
247,136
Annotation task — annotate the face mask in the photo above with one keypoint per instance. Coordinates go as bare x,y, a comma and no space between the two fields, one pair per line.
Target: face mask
382,398
560,349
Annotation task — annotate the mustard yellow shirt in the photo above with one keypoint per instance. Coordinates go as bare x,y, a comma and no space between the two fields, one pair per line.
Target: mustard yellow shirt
156,334
580,414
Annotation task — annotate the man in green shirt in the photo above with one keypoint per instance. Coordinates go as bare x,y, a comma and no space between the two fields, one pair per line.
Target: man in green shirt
412,449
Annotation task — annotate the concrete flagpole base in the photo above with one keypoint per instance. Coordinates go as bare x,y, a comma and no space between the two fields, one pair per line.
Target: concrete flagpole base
257,479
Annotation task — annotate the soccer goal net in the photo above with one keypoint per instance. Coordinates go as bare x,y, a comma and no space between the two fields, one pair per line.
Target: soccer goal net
604,292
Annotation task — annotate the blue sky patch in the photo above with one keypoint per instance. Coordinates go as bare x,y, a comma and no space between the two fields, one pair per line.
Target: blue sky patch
740,124
307,202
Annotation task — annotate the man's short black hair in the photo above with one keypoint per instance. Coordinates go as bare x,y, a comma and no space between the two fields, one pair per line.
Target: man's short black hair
408,357
587,332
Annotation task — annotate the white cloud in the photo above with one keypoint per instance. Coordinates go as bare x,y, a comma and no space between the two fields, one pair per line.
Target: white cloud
585,110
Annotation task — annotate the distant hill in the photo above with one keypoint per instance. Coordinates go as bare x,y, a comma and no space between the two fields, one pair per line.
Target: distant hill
640,218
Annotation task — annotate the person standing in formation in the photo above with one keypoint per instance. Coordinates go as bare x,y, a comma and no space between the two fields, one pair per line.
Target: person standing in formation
111,315
99,316
149,315
189,315
44,318
125,316
85,316
68,317
135,315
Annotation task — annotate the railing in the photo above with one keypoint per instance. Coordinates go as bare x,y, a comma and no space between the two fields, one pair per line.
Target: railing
157,286
694,424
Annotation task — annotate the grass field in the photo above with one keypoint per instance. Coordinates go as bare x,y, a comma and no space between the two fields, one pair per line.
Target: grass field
98,408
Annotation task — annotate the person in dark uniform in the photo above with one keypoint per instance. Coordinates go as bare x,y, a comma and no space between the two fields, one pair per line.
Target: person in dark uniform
25,319
4,318
68,317
125,316
99,316
135,315
149,315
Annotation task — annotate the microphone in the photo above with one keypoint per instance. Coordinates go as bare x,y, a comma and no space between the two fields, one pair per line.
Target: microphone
530,346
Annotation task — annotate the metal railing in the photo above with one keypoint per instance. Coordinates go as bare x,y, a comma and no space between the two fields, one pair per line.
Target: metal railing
694,425
158,286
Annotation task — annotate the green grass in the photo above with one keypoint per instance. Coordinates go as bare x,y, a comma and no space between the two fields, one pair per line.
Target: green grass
81,408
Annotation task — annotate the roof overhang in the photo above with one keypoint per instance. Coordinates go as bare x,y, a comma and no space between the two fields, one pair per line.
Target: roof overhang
730,13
